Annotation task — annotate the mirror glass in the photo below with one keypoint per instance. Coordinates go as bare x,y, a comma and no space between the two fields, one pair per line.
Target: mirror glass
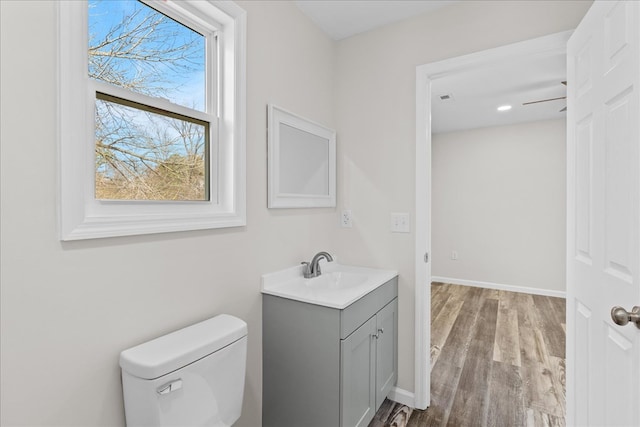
304,162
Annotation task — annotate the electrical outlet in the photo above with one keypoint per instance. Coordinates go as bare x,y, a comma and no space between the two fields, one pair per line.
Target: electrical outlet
400,222
454,255
346,219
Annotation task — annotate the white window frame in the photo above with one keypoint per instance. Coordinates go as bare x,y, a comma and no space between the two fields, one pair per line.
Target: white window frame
81,215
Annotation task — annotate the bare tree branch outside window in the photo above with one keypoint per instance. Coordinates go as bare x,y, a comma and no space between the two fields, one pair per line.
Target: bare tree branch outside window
143,153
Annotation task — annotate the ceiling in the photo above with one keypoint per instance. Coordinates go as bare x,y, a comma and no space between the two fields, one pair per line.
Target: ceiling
474,94
344,18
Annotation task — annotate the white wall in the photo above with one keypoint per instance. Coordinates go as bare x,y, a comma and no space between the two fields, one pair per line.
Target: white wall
499,196
375,115
68,309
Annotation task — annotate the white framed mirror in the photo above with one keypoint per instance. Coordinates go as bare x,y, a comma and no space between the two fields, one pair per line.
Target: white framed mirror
301,162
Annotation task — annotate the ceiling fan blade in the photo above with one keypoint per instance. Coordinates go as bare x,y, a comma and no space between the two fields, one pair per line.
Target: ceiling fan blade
544,100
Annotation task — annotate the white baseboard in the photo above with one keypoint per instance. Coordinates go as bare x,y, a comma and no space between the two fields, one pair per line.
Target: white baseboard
403,397
498,286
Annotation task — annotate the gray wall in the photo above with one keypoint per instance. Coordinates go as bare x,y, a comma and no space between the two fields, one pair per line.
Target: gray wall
499,197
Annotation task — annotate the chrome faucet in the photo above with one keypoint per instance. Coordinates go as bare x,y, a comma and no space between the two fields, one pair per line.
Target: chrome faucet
312,269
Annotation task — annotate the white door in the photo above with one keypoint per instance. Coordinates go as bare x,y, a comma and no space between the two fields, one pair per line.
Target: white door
603,237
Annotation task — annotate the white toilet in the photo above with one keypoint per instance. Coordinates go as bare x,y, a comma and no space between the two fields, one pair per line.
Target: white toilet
191,377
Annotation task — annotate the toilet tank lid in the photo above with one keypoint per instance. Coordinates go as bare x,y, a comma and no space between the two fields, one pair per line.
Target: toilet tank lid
173,351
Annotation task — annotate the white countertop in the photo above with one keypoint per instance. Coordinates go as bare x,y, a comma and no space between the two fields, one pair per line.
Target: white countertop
337,287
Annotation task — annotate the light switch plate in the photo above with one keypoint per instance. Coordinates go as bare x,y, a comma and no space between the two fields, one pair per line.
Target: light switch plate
400,222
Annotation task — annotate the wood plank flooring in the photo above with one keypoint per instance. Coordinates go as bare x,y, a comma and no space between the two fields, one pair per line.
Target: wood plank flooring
497,359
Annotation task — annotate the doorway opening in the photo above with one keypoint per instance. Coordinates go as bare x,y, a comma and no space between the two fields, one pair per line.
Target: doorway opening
426,78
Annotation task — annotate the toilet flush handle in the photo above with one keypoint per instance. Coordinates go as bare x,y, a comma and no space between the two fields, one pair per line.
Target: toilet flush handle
169,387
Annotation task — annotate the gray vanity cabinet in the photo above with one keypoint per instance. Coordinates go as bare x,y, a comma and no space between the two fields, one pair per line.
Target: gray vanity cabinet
369,367
386,351
328,367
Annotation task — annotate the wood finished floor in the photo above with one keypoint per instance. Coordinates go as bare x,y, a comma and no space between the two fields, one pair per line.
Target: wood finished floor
497,359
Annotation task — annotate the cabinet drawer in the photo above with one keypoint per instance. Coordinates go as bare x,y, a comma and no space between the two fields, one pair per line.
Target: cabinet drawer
360,311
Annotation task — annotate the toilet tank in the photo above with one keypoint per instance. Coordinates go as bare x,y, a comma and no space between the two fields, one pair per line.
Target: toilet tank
190,377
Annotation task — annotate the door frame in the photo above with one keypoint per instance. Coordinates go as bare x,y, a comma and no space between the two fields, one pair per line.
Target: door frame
425,75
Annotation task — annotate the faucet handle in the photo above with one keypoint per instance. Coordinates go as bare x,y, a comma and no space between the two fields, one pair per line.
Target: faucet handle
306,271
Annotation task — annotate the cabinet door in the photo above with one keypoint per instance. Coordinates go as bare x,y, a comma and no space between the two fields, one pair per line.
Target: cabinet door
386,351
358,360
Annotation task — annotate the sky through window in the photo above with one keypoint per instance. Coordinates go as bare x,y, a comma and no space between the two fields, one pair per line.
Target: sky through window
133,46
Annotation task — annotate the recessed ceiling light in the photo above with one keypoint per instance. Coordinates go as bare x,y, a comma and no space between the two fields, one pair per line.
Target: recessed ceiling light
504,108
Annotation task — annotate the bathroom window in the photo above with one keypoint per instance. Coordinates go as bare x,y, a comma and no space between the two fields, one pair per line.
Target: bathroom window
154,118
151,117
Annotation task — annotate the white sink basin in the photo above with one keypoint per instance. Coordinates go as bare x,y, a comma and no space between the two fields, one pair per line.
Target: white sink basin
336,280
337,287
